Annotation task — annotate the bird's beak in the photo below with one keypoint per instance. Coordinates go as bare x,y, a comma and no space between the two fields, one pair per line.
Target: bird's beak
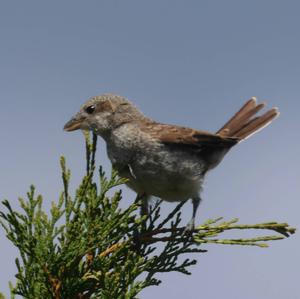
73,124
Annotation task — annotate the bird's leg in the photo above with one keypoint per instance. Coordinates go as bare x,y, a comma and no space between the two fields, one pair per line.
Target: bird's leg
144,206
191,225
143,198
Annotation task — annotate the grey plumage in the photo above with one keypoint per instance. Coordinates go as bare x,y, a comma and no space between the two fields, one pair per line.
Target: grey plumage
162,160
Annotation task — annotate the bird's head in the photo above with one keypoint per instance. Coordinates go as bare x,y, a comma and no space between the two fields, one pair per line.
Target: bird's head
103,113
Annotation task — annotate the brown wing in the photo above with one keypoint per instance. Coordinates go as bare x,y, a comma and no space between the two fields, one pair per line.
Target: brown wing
176,135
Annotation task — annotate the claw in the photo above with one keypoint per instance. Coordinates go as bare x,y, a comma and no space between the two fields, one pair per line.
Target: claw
188,231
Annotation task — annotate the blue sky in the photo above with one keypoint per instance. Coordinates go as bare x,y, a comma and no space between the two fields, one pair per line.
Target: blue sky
191,63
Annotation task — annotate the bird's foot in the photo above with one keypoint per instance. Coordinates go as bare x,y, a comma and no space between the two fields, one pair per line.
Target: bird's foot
188,230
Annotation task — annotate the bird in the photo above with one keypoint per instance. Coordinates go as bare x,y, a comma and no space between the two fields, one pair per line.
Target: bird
161,160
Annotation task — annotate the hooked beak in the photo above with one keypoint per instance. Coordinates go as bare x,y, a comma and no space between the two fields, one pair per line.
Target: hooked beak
73,124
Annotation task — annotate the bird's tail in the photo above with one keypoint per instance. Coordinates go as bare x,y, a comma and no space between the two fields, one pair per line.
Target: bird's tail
245,122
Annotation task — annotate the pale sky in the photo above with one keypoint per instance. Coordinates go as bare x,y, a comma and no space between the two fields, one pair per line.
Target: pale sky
191,63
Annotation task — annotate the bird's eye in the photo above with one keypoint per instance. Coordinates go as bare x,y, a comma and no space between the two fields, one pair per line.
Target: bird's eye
90,109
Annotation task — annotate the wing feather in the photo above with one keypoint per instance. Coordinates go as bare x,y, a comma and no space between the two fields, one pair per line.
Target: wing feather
171,134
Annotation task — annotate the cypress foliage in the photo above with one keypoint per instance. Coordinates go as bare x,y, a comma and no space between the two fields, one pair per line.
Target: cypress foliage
89,247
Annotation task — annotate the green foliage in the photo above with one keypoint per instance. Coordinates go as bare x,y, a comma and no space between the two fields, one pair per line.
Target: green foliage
88,247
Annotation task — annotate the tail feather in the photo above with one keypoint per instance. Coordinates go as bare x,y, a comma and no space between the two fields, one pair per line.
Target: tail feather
244,119
242,125
249,105
257,124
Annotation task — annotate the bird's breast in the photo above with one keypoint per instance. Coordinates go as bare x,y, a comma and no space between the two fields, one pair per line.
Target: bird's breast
155,169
